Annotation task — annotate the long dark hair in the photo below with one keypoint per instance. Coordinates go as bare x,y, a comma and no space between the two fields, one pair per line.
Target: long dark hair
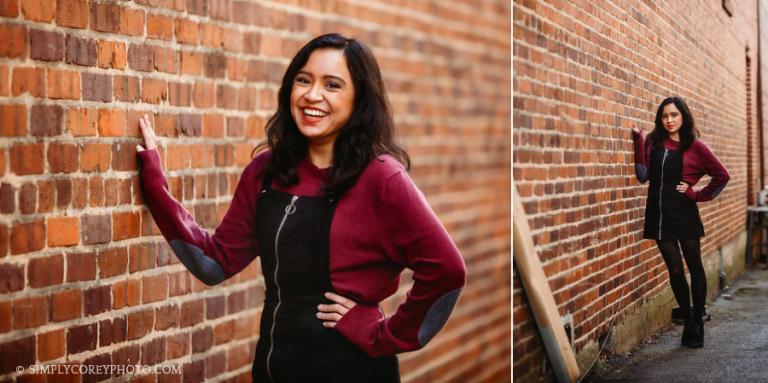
688,132
368,133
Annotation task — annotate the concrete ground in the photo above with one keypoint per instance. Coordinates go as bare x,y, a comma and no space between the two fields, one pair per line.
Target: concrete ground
735,343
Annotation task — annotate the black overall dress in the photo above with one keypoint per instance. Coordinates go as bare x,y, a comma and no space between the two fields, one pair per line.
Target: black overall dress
669,214
293,235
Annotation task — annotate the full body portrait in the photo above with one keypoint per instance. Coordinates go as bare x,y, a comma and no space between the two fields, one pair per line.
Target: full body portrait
328,207
674,159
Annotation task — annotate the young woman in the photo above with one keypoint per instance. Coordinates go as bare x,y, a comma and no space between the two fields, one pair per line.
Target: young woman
674,159
334,218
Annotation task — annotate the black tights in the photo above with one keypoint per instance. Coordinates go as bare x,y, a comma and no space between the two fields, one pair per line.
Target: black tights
692,252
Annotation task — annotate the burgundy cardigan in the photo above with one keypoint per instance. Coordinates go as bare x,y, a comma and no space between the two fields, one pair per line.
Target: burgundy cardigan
381,225
698,160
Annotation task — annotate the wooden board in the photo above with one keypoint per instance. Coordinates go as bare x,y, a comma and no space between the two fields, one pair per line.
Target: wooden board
540,298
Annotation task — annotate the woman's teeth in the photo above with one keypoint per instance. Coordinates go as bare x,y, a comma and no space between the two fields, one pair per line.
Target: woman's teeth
314,113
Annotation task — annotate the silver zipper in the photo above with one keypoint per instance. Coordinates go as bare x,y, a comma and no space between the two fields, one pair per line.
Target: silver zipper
289,209
661,187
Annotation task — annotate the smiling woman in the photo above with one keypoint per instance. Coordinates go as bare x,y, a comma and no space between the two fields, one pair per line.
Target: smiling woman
328,164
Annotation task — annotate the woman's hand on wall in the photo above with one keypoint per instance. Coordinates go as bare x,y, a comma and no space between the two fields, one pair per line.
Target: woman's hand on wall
330,314
149,134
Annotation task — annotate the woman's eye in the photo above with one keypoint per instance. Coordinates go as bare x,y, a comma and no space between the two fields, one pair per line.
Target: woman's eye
334,85
302,80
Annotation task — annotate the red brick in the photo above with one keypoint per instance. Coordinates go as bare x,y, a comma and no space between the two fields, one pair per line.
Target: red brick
177,345
142,257
191,63
153,91
63,158
63,84
81,266
126,88
11,277
102,364
80,194
141,57
180,94
186,31
154,288
45,45
3,161
211,36
236,69
4,236
131,22
215,65
28,198
111,122
38,10
132,125
96,157
50,345
125,225
105,17
140,323
179,283
27,237
215,307
46,196
82,122
111,54
192,313
66,305
202,339
96,229
226,97
215,364
97,300
72,13
9,8
125,356
124,156
166,317
46,271
194,372
63,231
30,80
159,26
18,352
97,87
190,124
81,338
153,352
14,41
239,356
27,158
6,316
5,80
113,262
112,331
13,120
233,39
46,120
30,312
204,94
63,193
80,51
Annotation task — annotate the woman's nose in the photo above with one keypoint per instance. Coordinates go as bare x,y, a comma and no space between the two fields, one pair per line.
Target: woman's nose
313,94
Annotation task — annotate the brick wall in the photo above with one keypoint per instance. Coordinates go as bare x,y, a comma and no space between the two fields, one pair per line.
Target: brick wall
584,71
85,276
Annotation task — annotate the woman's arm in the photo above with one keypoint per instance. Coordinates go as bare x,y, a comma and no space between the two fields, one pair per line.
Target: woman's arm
641,160
420,242
210,258
715,169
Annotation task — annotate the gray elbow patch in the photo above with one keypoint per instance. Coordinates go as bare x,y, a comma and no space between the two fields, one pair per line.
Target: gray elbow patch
203,268
437,316
641,171
717,191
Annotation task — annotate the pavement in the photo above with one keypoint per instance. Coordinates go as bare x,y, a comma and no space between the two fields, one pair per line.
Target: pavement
735,343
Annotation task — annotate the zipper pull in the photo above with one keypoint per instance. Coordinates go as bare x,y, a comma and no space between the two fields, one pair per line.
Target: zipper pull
290,209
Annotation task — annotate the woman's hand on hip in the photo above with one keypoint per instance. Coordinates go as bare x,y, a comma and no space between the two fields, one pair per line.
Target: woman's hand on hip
682,187
332,313
145,125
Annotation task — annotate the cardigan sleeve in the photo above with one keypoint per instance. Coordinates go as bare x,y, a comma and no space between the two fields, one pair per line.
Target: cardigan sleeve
641,156
210,258
715,169
419,242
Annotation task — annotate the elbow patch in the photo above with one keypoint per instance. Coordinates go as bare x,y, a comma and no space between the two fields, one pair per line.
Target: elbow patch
437,316
641,171
203,268
717,191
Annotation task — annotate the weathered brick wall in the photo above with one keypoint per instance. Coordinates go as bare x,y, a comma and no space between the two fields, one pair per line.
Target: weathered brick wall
584,71
85,276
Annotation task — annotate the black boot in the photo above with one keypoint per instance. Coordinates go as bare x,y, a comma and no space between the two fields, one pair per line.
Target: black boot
693,333
678,315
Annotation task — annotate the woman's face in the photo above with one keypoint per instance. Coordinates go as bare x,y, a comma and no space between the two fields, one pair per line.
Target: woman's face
672,119
322,97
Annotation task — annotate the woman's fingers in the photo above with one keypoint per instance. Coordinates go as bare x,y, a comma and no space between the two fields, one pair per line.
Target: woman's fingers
348,303
332,313
682,187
